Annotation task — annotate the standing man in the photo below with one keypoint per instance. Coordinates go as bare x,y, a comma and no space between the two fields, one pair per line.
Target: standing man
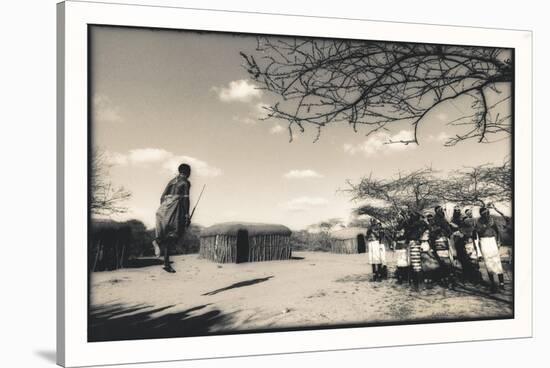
376,249
428,260
471,267
172,217
489,236
458,241
401,249
416,227
440,231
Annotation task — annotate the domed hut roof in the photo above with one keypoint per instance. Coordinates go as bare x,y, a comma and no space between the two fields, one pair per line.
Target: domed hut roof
348,233
253,228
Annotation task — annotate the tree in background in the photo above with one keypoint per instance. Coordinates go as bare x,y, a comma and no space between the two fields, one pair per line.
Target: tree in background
483,185
381,84
325,226
106,199
306,240
386,215
414,191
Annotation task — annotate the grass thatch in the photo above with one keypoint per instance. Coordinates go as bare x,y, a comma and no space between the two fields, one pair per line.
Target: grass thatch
254,229
348,233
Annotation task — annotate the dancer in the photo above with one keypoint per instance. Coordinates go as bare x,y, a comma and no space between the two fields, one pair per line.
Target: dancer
172,217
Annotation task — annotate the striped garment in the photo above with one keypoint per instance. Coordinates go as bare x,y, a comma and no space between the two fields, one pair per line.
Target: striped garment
414,255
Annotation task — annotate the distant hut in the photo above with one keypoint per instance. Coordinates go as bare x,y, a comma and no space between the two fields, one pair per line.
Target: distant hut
237,242
351,240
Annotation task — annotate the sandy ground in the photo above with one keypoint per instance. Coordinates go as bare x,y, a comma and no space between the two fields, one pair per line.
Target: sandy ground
314,289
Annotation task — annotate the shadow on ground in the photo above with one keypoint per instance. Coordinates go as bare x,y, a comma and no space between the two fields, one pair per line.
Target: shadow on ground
238,285
120,322
474,290
143,262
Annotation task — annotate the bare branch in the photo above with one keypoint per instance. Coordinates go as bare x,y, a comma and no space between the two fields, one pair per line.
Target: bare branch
377,84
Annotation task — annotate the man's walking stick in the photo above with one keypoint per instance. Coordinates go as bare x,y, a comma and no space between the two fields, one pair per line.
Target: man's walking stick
196,204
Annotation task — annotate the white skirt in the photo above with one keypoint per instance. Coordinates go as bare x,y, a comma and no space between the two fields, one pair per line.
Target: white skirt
401,258
491,256
377,252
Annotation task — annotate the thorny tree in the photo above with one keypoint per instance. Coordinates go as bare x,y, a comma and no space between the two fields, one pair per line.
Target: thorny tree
387,216
378,84
484,185
414,191
106,200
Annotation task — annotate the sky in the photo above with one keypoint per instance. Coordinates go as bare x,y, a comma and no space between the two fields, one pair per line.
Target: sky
163,97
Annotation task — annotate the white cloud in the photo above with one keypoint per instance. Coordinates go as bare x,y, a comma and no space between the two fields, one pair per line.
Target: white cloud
276,129
256,114
240,90
116,159
147,157
104,110
245,120
302,174
441,137
303,203
378,143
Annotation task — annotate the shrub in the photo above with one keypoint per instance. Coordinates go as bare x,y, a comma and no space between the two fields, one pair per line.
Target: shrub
304,240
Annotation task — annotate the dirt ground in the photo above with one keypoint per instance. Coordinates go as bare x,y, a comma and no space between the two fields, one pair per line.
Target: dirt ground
312,289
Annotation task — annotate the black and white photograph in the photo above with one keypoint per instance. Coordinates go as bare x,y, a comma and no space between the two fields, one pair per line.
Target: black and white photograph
285,183
246,183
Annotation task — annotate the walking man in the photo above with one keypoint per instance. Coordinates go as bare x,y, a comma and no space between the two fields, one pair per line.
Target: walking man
172,217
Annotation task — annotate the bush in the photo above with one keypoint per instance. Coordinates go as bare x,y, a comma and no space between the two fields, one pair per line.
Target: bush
190,242
304,240
113,243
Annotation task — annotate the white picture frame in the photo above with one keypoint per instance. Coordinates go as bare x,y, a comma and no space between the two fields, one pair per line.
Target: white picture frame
73,349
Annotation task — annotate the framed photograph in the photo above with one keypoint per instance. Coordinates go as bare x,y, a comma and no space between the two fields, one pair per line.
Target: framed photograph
236,184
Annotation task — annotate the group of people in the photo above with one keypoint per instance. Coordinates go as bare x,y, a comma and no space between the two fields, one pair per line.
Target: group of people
430,248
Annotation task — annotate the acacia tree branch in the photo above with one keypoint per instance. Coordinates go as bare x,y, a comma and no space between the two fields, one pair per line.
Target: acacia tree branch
376,84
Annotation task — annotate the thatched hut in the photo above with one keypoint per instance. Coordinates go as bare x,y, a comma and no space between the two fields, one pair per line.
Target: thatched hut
351,240
237,242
